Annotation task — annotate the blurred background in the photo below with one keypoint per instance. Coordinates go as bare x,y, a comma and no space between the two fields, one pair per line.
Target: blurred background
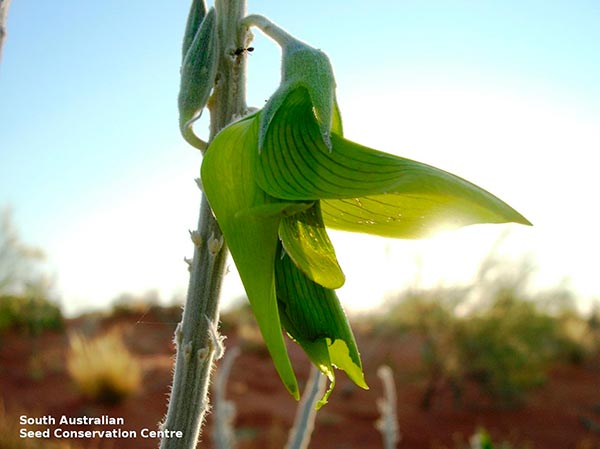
489,325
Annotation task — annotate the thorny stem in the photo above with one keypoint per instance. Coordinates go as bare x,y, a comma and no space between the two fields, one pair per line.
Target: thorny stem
196,337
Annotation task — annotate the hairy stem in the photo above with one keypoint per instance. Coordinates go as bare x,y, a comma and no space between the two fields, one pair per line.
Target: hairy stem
278,34
196,336
224,411
228,101
4,4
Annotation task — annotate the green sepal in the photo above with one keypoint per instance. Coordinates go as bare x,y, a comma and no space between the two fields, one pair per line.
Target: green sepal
198,72
314,318
305,240
366,190
230,188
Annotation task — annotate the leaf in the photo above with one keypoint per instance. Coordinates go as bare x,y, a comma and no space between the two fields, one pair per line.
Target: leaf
366,190
229,186
314,318
306,241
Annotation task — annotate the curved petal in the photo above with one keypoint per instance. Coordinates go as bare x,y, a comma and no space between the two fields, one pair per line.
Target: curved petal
405,198
314,318
407,216
303,66
252,238
271,109
305,240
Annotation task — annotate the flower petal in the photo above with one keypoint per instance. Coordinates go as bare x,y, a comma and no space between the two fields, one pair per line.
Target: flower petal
306,241
252,237
379,192
314,318
407,216
318,353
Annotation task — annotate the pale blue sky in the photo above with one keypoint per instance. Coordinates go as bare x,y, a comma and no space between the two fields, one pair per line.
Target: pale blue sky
506,94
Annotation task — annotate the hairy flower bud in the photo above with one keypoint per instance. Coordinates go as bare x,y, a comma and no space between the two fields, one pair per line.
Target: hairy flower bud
198,72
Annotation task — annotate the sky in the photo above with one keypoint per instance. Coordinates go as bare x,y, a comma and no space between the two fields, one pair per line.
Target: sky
504,94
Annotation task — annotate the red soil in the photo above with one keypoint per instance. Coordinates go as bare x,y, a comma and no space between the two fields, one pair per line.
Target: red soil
562,414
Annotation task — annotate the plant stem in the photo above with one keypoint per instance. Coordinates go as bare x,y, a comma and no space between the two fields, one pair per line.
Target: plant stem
4,4
304,423
388,423
196,337
279,35
223,436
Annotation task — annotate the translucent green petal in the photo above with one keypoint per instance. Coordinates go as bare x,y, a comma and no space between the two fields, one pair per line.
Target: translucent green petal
306,241
252,238
382,193
406,216
341,352
313,316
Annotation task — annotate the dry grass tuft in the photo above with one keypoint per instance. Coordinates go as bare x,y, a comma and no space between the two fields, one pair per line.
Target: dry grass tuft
103,368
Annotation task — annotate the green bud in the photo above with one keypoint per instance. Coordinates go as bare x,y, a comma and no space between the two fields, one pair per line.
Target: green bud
195,17
198,73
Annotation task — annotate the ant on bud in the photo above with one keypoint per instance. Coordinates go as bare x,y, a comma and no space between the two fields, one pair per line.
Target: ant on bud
241,51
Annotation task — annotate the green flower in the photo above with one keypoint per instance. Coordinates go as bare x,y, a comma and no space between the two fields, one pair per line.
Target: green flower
276,178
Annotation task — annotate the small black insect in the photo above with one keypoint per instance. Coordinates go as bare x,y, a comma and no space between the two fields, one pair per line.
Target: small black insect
240,51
